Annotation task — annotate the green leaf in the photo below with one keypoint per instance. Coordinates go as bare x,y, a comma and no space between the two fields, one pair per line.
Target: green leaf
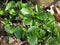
33,28
56,32
10,5
42,16
33,40
29,4
50,16
26,11
54,41
5,21
47,39
48,28
23,5
12,12
1,12
50,23
58,40
42,33
18,33
11,29
26,21
38,9
19,4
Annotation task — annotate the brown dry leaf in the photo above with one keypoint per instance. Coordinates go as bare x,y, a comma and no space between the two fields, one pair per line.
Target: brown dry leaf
14,41
3,42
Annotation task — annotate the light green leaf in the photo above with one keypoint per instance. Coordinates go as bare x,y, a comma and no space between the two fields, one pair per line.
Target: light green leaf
33,28
9,29
5,21
1,12
26,11
12,12
38,9
10,5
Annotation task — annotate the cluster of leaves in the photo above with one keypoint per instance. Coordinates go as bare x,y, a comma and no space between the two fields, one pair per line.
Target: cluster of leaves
34,25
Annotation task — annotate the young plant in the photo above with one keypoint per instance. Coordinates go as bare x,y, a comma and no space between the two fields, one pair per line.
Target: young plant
32,25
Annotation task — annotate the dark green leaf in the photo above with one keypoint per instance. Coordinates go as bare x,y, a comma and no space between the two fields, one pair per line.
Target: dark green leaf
32,40
18,33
